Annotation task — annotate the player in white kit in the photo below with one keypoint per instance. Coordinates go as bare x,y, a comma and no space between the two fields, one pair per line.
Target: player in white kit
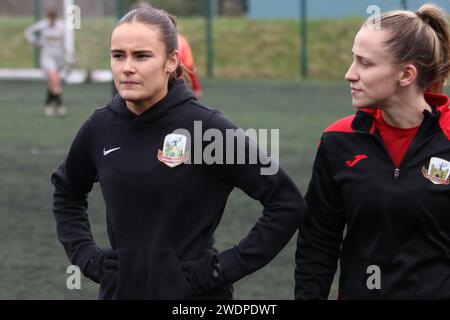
48,35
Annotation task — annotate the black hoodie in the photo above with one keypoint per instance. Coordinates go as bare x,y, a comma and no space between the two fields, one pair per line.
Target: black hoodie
158,216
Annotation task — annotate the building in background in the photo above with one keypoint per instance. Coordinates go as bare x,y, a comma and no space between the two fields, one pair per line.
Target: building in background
109,7
323,9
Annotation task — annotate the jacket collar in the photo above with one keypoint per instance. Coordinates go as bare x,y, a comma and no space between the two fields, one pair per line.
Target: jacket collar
364,118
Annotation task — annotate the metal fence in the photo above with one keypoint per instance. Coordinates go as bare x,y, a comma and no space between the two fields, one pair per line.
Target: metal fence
303,12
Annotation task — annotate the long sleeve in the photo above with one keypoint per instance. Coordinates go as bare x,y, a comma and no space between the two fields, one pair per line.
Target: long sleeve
320,235
283,206
67,52
30,32
73,180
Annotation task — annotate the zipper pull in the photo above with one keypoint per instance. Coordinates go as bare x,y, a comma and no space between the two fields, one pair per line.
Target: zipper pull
396,174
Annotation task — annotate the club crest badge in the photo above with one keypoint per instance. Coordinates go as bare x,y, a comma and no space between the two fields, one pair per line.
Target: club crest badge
438,171
174,150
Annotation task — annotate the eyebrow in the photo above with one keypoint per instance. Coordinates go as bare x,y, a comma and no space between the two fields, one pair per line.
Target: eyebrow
139,51
361,57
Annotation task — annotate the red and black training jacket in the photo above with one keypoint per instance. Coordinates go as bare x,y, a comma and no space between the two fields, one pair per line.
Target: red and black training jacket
389,226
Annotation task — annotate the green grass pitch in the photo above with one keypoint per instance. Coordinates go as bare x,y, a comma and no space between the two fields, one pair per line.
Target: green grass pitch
33,262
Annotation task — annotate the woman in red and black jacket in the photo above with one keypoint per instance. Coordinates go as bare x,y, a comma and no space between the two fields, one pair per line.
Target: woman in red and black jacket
383,173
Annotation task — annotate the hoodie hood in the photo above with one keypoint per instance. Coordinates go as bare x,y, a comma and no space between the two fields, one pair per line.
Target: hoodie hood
177,95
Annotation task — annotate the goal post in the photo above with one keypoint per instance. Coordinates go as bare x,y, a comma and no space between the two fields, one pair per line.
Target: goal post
71,20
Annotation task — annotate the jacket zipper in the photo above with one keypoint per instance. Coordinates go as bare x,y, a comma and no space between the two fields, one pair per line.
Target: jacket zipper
396,174
408,151
378,139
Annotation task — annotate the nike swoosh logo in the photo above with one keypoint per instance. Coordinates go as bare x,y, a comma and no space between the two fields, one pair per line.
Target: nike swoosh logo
105,152
358,158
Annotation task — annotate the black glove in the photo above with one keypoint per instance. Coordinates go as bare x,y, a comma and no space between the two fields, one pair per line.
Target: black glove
204,274
103,261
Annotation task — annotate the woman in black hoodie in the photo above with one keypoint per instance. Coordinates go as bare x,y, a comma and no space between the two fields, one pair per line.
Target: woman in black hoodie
165,193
